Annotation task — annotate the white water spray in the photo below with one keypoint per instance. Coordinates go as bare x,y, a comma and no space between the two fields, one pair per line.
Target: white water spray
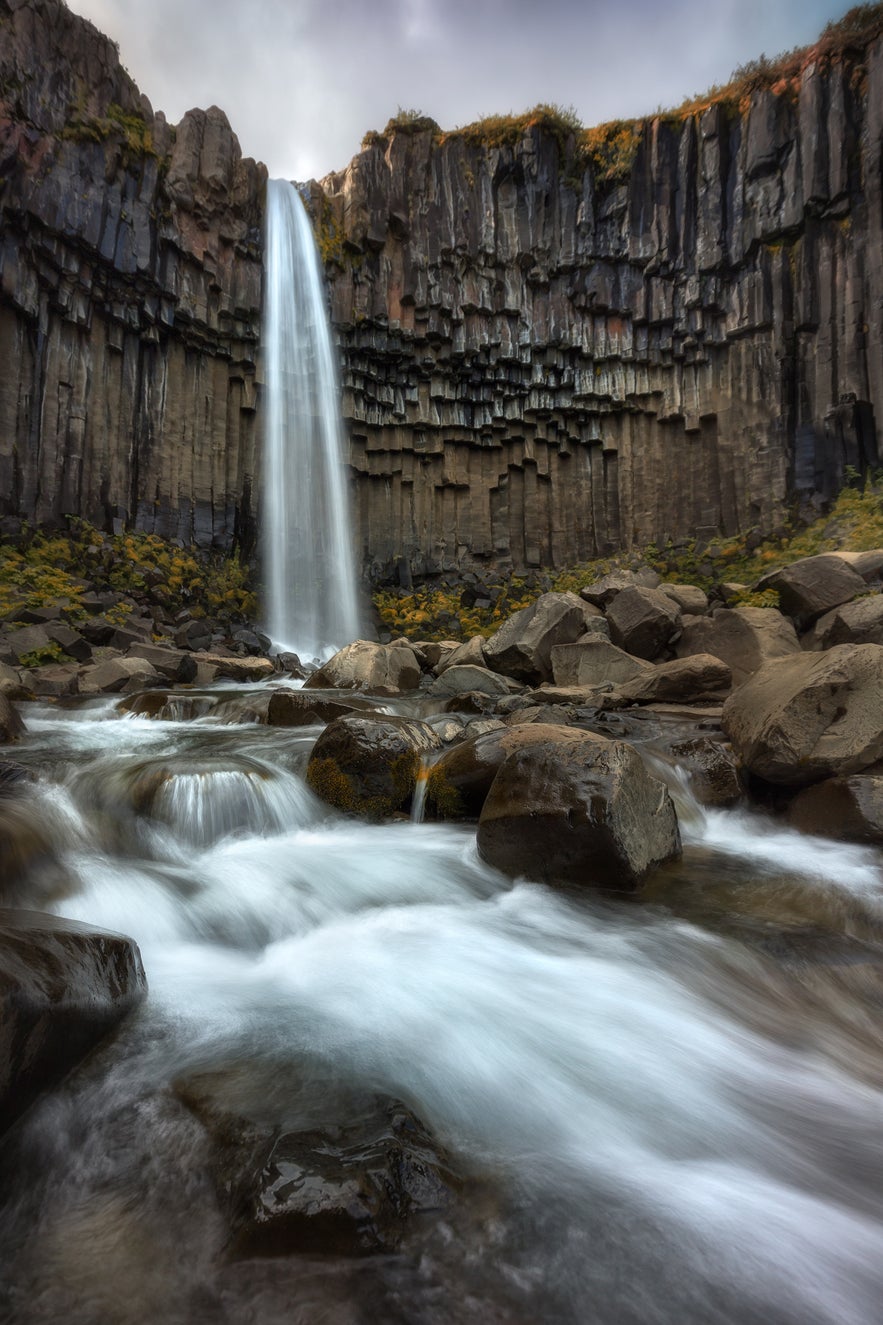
312,605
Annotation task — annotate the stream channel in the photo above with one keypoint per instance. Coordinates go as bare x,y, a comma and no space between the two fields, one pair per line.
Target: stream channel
658,1109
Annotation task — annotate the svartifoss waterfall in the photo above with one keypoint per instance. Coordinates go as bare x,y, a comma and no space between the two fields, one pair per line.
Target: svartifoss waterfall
312,605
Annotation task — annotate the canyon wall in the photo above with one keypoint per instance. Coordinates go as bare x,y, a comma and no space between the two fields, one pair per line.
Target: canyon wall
543,360
548,352
130,292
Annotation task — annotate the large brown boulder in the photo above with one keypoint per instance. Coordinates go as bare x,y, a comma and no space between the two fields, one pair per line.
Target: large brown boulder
63,987
522,647
742,637
460,780
594,661
680,681
383,669
369,765
810,716
858,622
583,813
813,585
644,622
847,808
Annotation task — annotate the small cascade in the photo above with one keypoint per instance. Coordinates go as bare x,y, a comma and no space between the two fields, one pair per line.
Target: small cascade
418,800
312,604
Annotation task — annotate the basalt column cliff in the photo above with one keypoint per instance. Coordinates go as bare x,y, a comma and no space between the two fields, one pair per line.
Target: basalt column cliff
130,290
549,353
553,343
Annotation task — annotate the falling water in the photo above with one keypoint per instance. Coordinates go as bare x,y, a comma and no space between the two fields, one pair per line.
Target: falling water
311,583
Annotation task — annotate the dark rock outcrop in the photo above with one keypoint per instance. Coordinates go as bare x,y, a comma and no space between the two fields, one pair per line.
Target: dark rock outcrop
582,813
545,357
130,294
63,986
543,361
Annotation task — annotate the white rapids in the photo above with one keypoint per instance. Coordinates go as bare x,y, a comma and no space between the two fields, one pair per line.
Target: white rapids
683,1126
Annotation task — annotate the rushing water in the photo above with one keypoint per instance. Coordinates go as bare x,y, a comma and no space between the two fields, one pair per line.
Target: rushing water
670,1108
312,605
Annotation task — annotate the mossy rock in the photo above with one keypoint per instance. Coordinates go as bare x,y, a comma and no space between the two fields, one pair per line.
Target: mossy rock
368,766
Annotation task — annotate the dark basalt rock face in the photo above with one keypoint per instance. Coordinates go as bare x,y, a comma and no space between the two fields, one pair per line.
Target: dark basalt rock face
540,366
63,987
540,363
130,292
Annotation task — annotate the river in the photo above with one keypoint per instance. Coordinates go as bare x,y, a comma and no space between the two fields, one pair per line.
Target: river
668,1109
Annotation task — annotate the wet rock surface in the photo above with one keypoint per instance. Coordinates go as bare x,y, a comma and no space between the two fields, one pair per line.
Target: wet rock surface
63,987
582,814
369,765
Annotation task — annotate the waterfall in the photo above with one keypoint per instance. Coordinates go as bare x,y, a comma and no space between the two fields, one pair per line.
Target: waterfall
312,605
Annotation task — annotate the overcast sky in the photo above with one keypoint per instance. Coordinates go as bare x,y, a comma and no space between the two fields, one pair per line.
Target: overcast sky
303,80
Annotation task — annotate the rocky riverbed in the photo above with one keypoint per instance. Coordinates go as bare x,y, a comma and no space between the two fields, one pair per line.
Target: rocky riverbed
484,981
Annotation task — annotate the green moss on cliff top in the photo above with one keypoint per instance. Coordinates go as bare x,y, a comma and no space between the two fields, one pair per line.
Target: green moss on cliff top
611,147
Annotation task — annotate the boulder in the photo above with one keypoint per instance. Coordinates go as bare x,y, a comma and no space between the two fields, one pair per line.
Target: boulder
97,631
116,674
711,768
352,1187
194,635
592,661
299,708
63,987
680,681
578,813
858,622
813,585
522,647
602,592
238,669
30,639
74,645
644,622
461,778
869,565
690,598
810,716
461,679
847,808
173,664
469,654
54,680
11,725
369,765
383,669
742,637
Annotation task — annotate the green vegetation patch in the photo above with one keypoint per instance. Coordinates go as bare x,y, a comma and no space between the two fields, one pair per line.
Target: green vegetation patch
55,569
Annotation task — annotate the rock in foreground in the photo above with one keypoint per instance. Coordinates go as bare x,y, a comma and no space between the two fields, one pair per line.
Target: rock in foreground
63,987
585,813
810,716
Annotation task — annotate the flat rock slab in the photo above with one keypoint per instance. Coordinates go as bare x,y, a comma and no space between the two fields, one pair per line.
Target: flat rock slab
63,987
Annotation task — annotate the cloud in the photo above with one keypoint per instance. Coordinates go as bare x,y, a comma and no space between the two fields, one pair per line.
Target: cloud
303,80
